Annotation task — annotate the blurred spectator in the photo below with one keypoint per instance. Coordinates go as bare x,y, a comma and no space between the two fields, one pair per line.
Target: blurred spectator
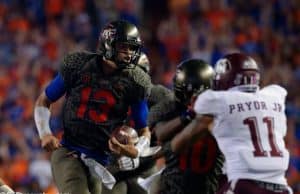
40,170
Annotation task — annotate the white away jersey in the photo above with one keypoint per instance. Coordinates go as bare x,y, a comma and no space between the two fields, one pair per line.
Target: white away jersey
249,128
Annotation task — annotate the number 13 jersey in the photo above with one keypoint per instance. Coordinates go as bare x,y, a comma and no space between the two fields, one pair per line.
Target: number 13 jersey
97,103
249,128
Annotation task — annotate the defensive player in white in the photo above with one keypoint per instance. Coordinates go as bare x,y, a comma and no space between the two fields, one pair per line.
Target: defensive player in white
249,124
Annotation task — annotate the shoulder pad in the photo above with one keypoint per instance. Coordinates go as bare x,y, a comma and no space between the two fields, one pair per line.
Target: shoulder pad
76,59
139,77
275,89
210,102
159,93
162,111
72,63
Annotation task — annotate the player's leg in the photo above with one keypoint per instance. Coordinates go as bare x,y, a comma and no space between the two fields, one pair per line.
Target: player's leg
69,173
119,187
135,188
95,185
171,181
154,188
5,188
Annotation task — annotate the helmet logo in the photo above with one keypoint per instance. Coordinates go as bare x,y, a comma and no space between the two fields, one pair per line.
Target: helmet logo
222,66
109,34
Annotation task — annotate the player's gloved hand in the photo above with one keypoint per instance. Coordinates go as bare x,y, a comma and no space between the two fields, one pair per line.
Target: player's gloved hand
125,163
170,156
187,116
50,143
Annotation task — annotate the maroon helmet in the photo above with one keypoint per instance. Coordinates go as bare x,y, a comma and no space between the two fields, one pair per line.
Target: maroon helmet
236,70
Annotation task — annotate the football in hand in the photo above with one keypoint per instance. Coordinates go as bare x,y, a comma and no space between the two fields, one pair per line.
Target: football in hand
125,135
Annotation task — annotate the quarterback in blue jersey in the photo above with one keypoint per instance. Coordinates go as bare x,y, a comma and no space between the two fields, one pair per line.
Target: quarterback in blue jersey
99,88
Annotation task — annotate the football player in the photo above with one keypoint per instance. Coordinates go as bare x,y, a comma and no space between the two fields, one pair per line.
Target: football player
195,169
99,89
249,124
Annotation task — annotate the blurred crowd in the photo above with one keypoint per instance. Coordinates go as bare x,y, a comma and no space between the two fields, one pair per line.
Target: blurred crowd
35,35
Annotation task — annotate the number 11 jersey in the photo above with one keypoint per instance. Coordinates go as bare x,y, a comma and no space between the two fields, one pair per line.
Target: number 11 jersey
250,130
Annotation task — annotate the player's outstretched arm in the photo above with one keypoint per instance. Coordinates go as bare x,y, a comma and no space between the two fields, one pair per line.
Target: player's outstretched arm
165,130
191,132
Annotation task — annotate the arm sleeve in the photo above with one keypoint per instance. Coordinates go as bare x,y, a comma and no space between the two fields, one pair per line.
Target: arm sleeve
56,88
139,114
157,94
142,85
162,111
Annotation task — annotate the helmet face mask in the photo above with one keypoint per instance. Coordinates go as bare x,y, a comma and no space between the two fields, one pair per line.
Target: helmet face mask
120,38
125,53
236,70
192,77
